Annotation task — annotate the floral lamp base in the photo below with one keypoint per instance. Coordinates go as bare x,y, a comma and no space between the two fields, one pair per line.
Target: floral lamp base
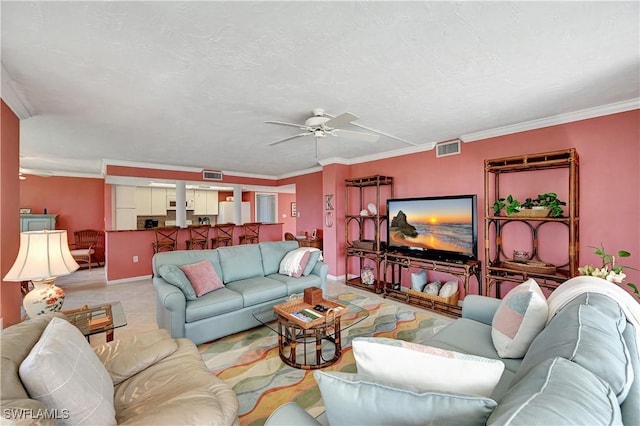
45,297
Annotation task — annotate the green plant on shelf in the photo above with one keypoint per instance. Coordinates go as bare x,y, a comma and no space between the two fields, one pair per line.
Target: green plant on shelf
548,200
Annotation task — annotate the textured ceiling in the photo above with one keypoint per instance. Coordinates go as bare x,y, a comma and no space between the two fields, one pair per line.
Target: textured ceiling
191,83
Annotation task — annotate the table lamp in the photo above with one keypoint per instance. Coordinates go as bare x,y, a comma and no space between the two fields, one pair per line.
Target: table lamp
43,256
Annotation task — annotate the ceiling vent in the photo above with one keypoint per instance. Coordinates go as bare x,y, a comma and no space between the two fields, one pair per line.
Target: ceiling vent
211,175
448,148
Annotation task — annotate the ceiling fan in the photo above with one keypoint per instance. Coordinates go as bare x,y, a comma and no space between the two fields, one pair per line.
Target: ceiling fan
320,125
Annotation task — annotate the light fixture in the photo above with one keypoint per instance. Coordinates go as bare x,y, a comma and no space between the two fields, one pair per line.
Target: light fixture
43,256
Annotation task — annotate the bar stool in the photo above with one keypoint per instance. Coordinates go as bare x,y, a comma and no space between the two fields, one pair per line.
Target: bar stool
198,237
251,233
224,235
166,239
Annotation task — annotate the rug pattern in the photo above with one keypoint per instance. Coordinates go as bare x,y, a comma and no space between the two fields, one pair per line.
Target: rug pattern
250,363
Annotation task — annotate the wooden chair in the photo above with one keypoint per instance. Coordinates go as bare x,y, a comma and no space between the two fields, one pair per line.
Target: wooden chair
224,235
166,239
288,236
198,237
84,246
251,233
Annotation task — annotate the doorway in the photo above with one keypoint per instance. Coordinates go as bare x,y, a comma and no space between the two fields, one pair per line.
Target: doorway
266,207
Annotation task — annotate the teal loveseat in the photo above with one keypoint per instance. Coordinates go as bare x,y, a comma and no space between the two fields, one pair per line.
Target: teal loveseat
251,281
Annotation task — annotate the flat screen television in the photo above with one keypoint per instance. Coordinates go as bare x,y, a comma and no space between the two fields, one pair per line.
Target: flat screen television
442,228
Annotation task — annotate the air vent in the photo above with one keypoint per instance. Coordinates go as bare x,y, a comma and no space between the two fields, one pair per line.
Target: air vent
211,175
448,148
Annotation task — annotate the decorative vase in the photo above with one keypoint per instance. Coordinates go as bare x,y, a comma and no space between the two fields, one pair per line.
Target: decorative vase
367,276
44,298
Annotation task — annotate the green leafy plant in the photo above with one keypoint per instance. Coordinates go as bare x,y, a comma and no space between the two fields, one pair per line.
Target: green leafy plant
609,270
510,204
547,200
550,200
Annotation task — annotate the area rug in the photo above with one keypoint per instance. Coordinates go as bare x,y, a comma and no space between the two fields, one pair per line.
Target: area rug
249,361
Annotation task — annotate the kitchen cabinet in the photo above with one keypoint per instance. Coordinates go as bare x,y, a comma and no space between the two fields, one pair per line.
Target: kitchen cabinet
126,219
205,202
151,201
171,199
125,197
37,222
225,212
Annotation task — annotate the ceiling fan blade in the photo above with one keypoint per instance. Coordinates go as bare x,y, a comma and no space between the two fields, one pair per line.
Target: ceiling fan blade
379,132
282,123
360,136
341,120
289,138
385,134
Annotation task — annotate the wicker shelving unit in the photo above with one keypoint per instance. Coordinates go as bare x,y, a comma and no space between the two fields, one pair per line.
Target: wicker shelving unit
498,266
362,232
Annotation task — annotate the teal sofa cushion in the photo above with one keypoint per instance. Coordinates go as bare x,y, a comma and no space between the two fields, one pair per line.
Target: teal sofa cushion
631,406
240,262
212,304
297,285
558,392
272,254
584,334
352,399
258,290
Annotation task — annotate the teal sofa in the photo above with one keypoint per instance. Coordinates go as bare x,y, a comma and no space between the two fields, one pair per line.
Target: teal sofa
251,281
582,368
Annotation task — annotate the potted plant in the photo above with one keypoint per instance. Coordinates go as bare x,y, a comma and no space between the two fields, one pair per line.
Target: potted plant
547,202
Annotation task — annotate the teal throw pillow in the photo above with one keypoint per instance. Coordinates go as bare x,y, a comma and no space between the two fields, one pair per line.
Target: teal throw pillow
313,259
353,399
174,275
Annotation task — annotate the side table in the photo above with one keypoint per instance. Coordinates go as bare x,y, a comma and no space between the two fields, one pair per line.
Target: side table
103,318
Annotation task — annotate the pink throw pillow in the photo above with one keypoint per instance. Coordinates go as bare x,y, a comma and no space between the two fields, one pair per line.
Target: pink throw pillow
303,264
203,277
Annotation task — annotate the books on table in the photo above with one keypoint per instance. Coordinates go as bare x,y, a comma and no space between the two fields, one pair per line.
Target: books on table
306,315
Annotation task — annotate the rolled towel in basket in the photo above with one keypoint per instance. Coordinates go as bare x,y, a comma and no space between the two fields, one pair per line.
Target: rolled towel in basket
432,288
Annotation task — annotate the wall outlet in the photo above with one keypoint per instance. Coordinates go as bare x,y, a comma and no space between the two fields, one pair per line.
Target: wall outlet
135,259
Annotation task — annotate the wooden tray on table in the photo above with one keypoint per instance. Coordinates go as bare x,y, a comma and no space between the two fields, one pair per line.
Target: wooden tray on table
287,309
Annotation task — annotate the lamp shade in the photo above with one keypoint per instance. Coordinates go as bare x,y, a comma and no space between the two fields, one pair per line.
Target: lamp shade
42,255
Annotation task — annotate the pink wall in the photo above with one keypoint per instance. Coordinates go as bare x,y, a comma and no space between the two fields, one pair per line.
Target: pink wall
308,199
609,153
284,213
10,297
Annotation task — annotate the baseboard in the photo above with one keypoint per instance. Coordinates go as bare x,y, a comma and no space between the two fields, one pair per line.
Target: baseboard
127,280
335,278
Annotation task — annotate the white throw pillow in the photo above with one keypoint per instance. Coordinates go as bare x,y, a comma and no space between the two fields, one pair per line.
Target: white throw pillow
294,262
448,289
426,368
64,373
432,288
520,317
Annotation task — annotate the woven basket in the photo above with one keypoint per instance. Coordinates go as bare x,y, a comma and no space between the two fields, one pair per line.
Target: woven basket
531,266
531,213
451,300
287,308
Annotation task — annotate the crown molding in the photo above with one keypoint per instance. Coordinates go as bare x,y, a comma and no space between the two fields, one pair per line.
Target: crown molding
12,98
554,120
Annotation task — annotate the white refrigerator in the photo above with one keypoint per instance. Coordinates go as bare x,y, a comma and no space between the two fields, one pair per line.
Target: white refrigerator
225,212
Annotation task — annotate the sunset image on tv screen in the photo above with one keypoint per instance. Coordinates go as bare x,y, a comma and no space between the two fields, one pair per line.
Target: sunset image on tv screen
442,224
